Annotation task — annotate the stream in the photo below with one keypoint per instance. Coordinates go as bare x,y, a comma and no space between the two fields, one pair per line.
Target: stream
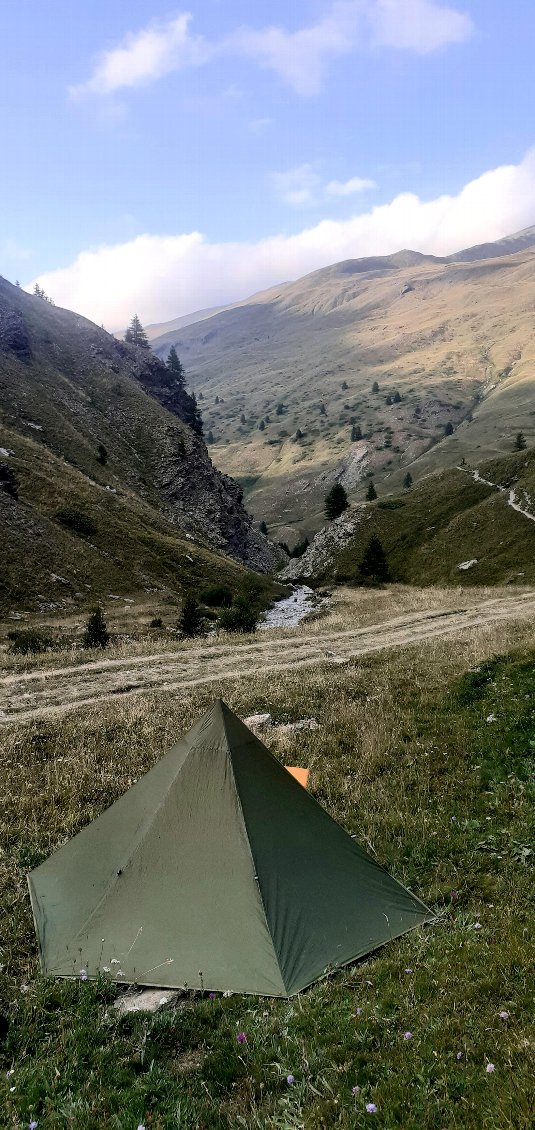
291,610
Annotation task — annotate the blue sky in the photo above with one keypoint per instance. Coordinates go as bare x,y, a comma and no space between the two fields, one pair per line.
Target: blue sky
163,158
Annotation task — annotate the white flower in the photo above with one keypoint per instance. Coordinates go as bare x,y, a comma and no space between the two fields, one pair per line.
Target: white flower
105,969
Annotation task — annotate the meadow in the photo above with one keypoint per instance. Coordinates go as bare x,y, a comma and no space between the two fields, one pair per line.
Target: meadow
427,755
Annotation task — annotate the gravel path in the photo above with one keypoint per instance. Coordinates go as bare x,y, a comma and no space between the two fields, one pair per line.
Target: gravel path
50,692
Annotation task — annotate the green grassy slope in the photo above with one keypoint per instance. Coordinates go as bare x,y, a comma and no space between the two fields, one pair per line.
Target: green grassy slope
447,519
162,512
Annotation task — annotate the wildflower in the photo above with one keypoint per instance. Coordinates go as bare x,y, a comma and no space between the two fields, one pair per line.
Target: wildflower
504,1015
140,1127
355,1090
33,1125
358,1012
227,993
290,1079
115,961
477,925
408,970
492,718
105,969
211,996
407,1035
120,973
10,1072
459,1055
371,1108
241,1038
83,975
489,1068
369,982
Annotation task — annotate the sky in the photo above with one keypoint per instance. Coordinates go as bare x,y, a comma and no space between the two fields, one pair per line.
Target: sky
158,158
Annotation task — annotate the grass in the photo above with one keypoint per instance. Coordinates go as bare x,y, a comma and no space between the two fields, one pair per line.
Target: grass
447,519
406,760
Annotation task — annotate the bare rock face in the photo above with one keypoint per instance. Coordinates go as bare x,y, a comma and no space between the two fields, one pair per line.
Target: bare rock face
324,547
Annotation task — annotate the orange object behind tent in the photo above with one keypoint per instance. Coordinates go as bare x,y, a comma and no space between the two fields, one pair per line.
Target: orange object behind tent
300,775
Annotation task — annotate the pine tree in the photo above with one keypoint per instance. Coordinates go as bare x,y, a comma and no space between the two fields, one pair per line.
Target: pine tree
242,418
102,456
298,434
448,430
397,397
261,426
216,401
407,481
323,411
336,501
375,386
371,493
135,334
190,622
388,399
356,433
210,437
174,366
520,442
344,385
263,529
374,566
96,633
193,415
8,481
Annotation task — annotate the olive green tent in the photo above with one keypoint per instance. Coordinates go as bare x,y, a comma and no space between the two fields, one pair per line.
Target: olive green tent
216,870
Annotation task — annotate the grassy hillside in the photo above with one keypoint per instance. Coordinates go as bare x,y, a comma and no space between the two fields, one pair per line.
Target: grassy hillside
448,519
156,511
405,760
455,340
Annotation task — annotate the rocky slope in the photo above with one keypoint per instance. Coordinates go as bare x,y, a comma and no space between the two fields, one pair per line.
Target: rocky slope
81,417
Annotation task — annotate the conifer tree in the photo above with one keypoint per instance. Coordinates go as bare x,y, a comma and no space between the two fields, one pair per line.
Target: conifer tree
261,426
520,442
375,386
174,366
374,567
263,528
397,397
102,456
96,633
448,430
407,481
356,433
210,437
336,501
190,622
371,493
135,334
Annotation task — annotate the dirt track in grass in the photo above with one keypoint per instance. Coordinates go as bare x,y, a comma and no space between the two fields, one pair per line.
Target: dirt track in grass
49,692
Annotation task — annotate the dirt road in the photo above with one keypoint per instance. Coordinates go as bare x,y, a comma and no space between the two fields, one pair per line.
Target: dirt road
50,692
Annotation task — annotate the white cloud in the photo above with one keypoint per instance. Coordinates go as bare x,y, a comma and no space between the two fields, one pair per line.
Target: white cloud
298,186
348,187
417,25
147,55
299,57
162,277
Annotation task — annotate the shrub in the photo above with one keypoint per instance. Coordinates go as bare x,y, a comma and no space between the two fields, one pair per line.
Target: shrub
28,641
102,456
375,386
391,504
448,430
218,596
240,617
8,481
263,529
96,633
77,521
157,622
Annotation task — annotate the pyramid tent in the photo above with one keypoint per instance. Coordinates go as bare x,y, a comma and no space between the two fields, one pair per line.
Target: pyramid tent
216,870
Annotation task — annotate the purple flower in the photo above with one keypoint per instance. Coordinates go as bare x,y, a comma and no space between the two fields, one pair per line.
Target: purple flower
408,971
33,1125
358,1012
241,1038
477,925
211,996
355,1090
459,1055
83,975
140,1127
371,1108
504,1015
489,1068
290,1079
407,1035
